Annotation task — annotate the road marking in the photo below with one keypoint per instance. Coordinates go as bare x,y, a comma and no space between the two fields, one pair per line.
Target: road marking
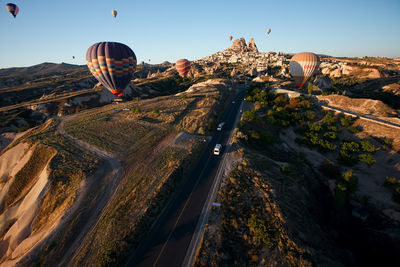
196,241
180,215
190,195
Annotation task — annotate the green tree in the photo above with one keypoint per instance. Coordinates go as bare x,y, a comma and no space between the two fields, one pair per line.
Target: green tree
249,115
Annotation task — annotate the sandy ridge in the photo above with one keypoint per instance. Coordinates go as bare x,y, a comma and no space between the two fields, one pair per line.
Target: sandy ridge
115,176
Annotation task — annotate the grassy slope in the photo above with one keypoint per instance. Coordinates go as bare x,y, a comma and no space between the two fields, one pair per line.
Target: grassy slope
139,140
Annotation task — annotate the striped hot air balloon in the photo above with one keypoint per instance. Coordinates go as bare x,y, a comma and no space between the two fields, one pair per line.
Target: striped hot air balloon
302,66
114,13
13,9
112,64
183,67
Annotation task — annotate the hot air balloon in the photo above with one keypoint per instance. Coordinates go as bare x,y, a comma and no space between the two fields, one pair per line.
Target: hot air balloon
73,57
230,38
183,67
112,64
13,9
114,13
302,66
268,31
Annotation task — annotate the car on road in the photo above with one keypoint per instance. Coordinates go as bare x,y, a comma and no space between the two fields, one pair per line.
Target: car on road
219,128
126,109
217,149
233,102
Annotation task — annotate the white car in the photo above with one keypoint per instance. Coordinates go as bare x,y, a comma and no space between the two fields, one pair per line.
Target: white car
217,149
219,128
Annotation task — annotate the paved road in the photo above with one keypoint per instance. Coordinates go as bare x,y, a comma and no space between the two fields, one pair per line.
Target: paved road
168,240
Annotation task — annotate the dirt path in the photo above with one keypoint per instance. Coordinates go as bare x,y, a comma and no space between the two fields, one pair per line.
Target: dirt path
114,176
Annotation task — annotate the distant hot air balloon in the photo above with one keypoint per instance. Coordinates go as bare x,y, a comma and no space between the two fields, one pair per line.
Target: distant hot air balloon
230,38
114,13
112,64
73,57
302,66
268,31
183,67
13,9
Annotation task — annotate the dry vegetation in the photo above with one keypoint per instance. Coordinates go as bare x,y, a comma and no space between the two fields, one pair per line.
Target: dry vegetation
28,175
149,134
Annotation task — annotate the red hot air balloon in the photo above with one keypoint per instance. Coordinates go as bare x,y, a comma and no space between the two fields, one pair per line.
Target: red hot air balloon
302,66
230,38
183,67
112,64
13,9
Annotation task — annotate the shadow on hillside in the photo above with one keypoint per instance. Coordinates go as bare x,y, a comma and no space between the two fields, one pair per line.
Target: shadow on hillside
356,209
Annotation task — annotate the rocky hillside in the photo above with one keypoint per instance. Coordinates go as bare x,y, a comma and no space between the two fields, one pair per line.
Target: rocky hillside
308,188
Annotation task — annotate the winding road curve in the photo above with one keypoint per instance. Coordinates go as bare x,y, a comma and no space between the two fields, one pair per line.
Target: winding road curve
114,175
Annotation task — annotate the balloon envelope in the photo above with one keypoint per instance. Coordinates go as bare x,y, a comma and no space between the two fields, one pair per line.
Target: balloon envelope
230,38
302,66
114,13
183,67
268,31
13,9
112,64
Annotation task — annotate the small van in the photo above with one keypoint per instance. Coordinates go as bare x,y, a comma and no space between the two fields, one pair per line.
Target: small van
217,149
219,128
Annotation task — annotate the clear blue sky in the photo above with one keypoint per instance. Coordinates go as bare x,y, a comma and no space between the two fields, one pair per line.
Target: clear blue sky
56,30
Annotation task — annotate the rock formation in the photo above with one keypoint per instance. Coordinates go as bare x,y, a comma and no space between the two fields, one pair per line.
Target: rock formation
323,82
239,46
252,46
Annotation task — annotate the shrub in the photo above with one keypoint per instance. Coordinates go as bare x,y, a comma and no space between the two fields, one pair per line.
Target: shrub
293,103
315,127
350,146
331,135
352,129
367,158
329,118
309,115
156,111
366,146
281,100
345,121
305,104
346,158
136,110
249,115
254,135
263,233
201,131
350,180
391,182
